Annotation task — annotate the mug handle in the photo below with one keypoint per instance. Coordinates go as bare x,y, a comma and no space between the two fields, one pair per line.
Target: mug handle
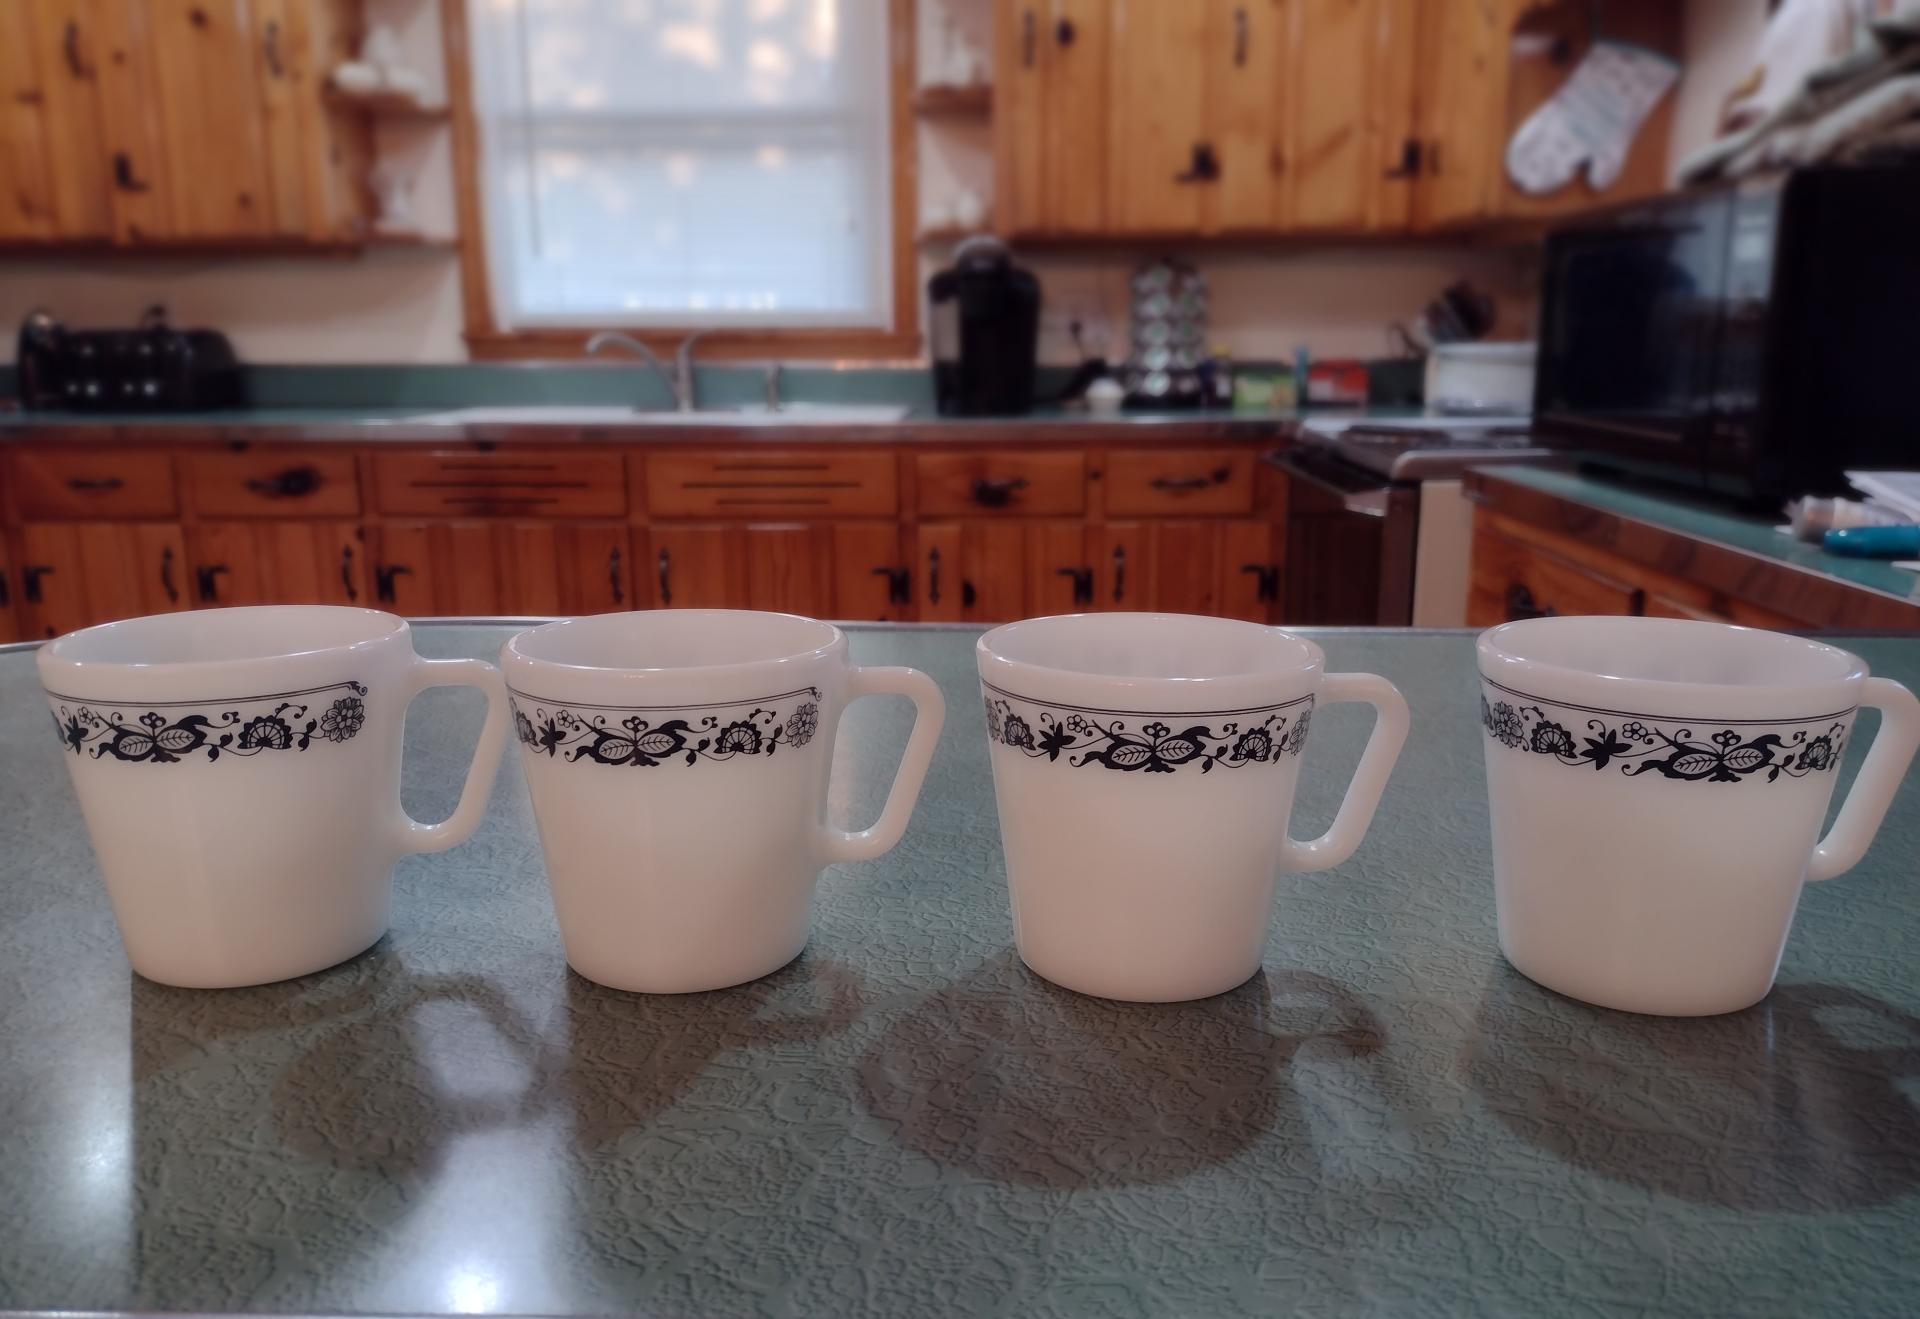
929,713
1369,776
1879,779
458,827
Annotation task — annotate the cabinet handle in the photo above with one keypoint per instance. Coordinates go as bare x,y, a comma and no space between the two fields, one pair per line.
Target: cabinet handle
70,44
89,485
1409,166
123,177
275,65
290,484
1240,36
383,575
613,576
6,591
665,567
1064,32
30,575
1119,573
967,594
1219,476
996,491
1266,580
1204,167
933,576
1521,604
207,576
346,573
1082,583
166,575
899,584
1027,26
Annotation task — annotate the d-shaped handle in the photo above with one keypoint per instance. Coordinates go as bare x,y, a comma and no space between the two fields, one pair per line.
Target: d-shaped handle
997,491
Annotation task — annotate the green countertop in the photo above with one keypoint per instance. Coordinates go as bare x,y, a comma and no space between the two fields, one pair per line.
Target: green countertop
1705,520
1387,1120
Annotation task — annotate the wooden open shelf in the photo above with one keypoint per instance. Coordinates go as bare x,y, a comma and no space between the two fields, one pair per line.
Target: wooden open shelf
953,100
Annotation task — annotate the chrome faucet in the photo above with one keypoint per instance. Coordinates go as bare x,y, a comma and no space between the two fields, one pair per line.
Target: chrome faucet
679,376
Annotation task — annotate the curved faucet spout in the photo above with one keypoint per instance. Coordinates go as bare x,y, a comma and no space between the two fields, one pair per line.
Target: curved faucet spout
677,381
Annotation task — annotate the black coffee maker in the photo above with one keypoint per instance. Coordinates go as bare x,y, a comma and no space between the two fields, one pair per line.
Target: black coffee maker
985,332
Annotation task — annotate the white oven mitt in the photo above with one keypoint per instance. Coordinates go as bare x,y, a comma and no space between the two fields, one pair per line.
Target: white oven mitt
1592,120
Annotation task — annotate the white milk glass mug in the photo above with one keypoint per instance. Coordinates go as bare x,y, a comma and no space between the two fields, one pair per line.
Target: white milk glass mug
1145,766
1657,788
239,771
678,762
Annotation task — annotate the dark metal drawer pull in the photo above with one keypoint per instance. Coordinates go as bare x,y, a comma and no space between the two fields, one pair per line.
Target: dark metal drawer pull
346,573
166,575
1218,476
207,577
1521,604
30,575
619,591
665,563
996,491
1267,580
1082,583
94,484
290,484
899,584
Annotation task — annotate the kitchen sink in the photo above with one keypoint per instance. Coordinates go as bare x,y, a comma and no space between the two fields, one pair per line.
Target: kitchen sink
570,414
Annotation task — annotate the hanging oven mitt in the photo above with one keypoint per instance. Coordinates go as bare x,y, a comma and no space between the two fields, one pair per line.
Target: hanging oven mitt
1592,120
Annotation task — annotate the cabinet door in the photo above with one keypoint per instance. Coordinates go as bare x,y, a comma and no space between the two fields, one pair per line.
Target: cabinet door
1050,114
871,579
789,569
75,574
697,567
1122,564
1158,170
596,568
1185,559
1331,66
68,56
974,572
208,106
11,627
1060,576
1395,152
141,199
1244,109
279,563
281,67
1250,571
1462,107
26,166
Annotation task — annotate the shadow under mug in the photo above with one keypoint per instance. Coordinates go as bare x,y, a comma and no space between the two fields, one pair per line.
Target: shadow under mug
239,772
1656,788
1144,766
678,762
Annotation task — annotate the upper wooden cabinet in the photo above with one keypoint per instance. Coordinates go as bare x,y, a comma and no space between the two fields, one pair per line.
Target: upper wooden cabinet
1227,117
157,121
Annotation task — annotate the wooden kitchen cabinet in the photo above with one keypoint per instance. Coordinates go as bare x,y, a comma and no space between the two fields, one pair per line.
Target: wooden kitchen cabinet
157,121
493,569
75,574
278,562
1193,121
1349,96
1050,115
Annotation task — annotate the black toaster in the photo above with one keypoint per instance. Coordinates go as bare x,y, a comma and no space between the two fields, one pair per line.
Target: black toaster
151,368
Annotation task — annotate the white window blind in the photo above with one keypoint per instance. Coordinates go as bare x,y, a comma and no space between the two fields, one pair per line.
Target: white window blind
685,162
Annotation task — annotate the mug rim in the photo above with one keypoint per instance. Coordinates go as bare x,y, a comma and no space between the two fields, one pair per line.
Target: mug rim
1497,647
60,651
516,651
987,650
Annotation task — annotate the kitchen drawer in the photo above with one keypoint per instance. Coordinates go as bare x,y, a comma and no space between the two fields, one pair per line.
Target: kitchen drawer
753,482
93,485
522,484
969,484
1514,580
1179,481
267,485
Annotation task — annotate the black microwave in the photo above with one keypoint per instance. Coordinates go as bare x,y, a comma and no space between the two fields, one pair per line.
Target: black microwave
1754,339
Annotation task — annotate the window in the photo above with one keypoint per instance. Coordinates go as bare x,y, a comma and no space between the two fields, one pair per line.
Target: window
687,163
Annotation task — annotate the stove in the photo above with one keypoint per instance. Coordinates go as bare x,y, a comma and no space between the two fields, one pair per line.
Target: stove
1426,453
1379,529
